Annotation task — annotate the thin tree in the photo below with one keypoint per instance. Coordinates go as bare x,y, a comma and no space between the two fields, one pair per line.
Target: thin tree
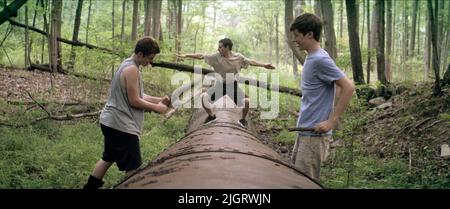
318,12
353,35
447,41
379,5
328,28
148,5
388,39
288,18
179,24
76,30
122,25
427,44
437,86
156,24
87,32
277,41
341,17
55,46
45,26
368,42
135,23
413,29
27,39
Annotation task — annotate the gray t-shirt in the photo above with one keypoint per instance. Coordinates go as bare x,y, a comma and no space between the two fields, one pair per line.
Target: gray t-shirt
118,113
223,65
318,90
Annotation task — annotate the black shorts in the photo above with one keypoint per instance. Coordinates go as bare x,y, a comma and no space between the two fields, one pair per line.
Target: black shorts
231,89
122,148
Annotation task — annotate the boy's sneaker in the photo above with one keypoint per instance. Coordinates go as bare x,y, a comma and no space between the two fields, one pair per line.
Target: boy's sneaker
243,123
210,119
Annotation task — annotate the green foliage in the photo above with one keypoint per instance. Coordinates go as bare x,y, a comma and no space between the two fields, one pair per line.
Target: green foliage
52,154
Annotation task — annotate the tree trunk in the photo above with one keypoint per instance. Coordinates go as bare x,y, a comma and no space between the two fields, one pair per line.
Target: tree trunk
353,38
288,18
405,34
418,32
44,7
437,86
55,46
156,18
445,51
427,44
328,28
446,79
87,33
388,39
27,39
381,74
363,23
413,29
179,6
148,5
318,12
112,38
122,25
368,42
341,17
134,24
76,29
277,40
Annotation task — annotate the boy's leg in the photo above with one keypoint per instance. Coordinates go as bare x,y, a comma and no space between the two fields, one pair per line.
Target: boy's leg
311,152
100,169
241,99
95,179
246,107
206,104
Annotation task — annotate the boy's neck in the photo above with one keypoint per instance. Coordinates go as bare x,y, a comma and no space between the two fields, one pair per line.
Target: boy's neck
313,48
135,59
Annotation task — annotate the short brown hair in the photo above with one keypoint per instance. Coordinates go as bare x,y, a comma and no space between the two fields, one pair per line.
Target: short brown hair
308,22
147,45
226,42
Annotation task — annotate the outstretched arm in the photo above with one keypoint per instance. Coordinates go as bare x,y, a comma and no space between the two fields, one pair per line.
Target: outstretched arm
259,64
194,56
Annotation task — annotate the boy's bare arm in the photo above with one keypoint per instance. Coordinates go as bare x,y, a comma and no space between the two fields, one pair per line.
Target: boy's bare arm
347,88
131,78
194,56
260,64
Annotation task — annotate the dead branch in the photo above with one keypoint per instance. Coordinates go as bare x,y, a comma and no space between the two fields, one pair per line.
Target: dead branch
40,105
45,103
434,123
55,117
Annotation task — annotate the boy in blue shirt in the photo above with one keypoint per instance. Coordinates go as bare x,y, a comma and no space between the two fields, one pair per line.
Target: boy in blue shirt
320,77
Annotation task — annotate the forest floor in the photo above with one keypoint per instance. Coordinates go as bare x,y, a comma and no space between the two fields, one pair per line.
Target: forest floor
398,146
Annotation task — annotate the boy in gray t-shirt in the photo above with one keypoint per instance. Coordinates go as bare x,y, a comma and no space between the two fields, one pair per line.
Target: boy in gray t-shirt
319,78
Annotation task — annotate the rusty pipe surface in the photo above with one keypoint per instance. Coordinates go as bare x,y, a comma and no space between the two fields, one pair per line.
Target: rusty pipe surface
217,156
